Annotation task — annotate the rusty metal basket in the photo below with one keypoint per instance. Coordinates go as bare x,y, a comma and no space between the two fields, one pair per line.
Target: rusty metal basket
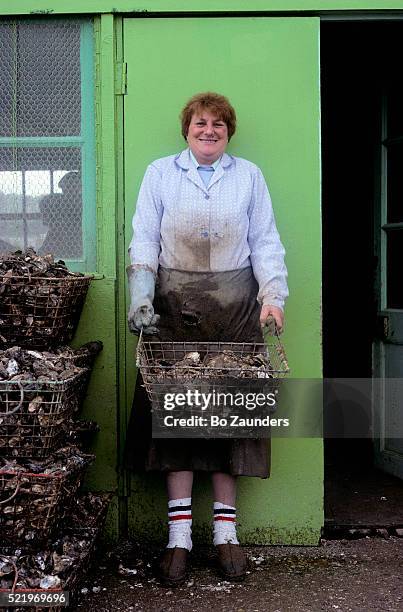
35,415
33,505
162,372
40,312
83,529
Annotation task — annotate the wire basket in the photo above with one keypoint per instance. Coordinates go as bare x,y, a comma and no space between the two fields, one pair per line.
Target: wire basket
34,415
84,530
40,312
227,367
33,505
176,360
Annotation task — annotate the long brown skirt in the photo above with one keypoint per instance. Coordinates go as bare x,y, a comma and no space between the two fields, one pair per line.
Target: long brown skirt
199,307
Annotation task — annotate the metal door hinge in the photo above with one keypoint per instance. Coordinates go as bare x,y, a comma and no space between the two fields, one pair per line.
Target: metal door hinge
121,79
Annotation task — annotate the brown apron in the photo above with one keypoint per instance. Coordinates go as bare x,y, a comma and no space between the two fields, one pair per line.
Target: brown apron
199,307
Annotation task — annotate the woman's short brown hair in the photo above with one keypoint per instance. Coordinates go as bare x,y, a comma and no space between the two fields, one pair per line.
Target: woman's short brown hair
213,102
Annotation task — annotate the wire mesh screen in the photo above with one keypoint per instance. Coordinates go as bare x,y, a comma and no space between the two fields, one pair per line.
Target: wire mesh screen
40,79
41,202
40,98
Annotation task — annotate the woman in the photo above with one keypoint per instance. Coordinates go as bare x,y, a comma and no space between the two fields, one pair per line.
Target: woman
206,256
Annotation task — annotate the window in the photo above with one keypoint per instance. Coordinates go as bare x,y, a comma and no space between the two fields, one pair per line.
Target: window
47,158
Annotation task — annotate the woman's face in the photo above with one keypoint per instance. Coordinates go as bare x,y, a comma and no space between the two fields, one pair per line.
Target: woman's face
207,137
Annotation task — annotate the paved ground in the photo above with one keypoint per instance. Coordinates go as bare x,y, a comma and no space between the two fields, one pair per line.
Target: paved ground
344,575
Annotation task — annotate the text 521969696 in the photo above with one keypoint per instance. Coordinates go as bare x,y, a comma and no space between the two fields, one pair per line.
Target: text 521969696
34,598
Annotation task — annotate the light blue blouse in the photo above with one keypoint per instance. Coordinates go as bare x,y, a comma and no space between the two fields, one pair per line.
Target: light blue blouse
181,223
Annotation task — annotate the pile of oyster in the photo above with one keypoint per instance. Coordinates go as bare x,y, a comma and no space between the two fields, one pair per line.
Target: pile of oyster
62,363
40,392
62,562
40,299
35,495
88,511
18,364
82,357
224,364
30,264
66,459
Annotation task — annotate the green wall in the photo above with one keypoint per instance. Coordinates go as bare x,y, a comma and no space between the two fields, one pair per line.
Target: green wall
269,68
137,7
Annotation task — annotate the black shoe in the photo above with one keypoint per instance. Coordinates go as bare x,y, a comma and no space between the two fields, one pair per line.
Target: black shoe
232,561
173,566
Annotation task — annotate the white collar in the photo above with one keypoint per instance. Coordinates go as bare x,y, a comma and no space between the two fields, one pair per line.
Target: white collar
183,160
196,163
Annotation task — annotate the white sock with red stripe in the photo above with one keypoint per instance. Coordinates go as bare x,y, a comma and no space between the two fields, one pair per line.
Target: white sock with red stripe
224,524
180,523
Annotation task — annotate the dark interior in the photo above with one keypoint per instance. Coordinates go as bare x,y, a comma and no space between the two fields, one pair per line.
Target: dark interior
358,60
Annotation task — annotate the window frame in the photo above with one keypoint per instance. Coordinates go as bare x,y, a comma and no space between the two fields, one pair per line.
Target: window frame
85,142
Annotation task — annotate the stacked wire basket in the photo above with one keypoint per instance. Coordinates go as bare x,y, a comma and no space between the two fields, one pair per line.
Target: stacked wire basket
40,312
36,416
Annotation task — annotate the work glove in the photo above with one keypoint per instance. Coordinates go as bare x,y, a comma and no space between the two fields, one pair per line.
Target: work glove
141,313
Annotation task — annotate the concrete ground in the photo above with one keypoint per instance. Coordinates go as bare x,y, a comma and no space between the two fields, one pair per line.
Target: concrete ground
361,574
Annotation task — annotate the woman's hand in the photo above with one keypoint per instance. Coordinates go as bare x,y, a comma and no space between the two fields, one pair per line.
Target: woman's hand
272,311
143,318
141,313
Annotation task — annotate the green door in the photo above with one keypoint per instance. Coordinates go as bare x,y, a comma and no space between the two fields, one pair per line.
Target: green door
269,69
388,346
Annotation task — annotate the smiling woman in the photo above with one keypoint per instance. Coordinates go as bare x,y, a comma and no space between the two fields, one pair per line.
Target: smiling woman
204,229
207,125
207,137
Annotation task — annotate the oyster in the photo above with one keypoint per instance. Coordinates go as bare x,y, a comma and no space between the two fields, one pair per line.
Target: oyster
28,263
226,359
49,582
190,359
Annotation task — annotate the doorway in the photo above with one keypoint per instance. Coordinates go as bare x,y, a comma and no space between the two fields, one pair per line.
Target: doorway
269,69
358,63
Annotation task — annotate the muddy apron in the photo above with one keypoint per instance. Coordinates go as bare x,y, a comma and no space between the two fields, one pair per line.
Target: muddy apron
200,307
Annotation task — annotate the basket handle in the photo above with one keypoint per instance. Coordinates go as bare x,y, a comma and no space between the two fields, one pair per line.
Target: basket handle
267,330
140,340
268,326
21,388
17,488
